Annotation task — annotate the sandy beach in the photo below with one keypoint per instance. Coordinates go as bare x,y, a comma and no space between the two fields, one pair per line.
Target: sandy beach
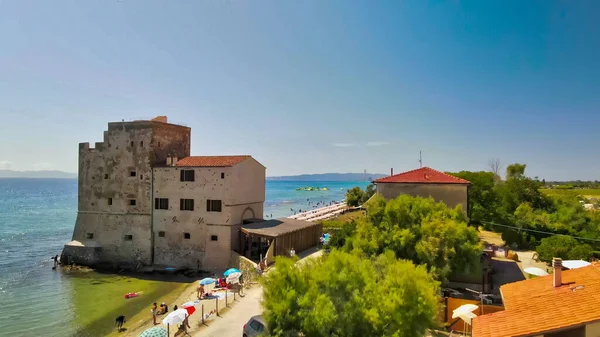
143,320
322,213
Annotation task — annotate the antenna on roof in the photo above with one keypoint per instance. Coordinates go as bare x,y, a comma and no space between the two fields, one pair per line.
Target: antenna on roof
420,160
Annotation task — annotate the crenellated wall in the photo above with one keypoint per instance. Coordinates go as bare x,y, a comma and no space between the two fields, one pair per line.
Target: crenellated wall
115,191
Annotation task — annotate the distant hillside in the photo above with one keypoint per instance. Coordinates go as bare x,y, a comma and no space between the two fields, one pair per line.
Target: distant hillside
332,177
36,174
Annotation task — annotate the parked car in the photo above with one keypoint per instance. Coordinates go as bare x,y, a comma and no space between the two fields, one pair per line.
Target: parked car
255,326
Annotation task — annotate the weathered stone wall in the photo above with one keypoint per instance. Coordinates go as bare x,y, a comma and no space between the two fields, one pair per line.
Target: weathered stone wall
173,249
451,194
169,139
227,184
106,190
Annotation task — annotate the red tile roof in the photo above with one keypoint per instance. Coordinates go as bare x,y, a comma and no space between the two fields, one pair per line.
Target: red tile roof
535,307
211,161
424,175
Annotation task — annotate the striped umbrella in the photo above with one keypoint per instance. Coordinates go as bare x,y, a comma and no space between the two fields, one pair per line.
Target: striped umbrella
157,331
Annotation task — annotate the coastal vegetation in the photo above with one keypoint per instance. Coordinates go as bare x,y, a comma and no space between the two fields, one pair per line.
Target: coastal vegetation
356,196
526,214
346,294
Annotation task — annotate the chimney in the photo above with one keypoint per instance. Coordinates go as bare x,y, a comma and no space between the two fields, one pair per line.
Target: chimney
392,171
174,160
557,264
169,160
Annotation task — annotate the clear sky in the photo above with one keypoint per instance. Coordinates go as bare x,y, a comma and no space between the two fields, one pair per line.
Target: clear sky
310,86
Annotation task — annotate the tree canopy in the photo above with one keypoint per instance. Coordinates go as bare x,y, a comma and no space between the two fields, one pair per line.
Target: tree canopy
420,230
564,247
356,196
344,294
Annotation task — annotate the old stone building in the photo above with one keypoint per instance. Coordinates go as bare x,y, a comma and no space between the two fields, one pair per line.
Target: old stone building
144,201
426,182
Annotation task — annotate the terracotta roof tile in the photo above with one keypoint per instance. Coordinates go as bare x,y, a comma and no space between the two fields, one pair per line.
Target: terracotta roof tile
211,161
534,306
424,175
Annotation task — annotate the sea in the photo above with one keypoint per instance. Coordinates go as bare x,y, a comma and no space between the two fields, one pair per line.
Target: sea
37,217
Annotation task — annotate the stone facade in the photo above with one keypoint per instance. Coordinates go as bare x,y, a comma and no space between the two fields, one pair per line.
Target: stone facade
198,236
117,223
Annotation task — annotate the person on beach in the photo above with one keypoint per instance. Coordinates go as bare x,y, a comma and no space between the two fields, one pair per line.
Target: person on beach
200,292
154,311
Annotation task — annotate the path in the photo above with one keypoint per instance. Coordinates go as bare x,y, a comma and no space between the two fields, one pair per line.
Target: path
232,321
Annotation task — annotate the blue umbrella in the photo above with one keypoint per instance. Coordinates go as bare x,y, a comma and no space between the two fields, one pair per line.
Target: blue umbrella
207,281
230,271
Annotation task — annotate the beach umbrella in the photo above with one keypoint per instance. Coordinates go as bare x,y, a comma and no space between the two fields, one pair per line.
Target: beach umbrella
464,309
233,277
189,308
175,317
207,281
157,331
230,270
535,271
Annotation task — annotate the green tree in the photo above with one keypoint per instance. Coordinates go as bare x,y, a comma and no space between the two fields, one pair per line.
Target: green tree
515,171
564,247
483,197
354,196
418,229
368,193
343,295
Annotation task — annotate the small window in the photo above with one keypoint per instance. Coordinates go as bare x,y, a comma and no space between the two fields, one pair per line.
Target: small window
89,235
186,235
105,175
142,143
109,201
132,202
214,238
128,237
187,175
186,204
141,176
132,174
161,203
213,205
161,234
158,144
132,143
222,175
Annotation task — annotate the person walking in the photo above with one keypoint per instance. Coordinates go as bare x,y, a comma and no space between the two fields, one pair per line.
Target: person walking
153,310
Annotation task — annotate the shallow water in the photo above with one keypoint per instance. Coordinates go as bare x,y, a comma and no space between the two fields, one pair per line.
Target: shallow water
37,218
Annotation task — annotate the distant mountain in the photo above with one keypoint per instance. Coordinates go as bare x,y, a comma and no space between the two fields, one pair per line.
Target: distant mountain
37,174
332,177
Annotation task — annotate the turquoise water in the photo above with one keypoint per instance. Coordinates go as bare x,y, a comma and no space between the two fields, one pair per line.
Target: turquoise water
37,218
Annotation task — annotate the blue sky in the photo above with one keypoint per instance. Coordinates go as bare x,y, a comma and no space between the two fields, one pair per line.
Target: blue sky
310,86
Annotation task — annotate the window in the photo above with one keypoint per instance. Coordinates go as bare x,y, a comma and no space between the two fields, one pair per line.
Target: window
161,203
158,144
109,201
187,175
89,235
214,238
142,143
132,202
213,205
132,143
161,234
105,175
186,204
186,235
128,237
141,176
256,326
222,175
132,174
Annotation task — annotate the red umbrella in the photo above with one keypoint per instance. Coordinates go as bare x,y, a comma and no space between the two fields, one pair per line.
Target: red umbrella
189,308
